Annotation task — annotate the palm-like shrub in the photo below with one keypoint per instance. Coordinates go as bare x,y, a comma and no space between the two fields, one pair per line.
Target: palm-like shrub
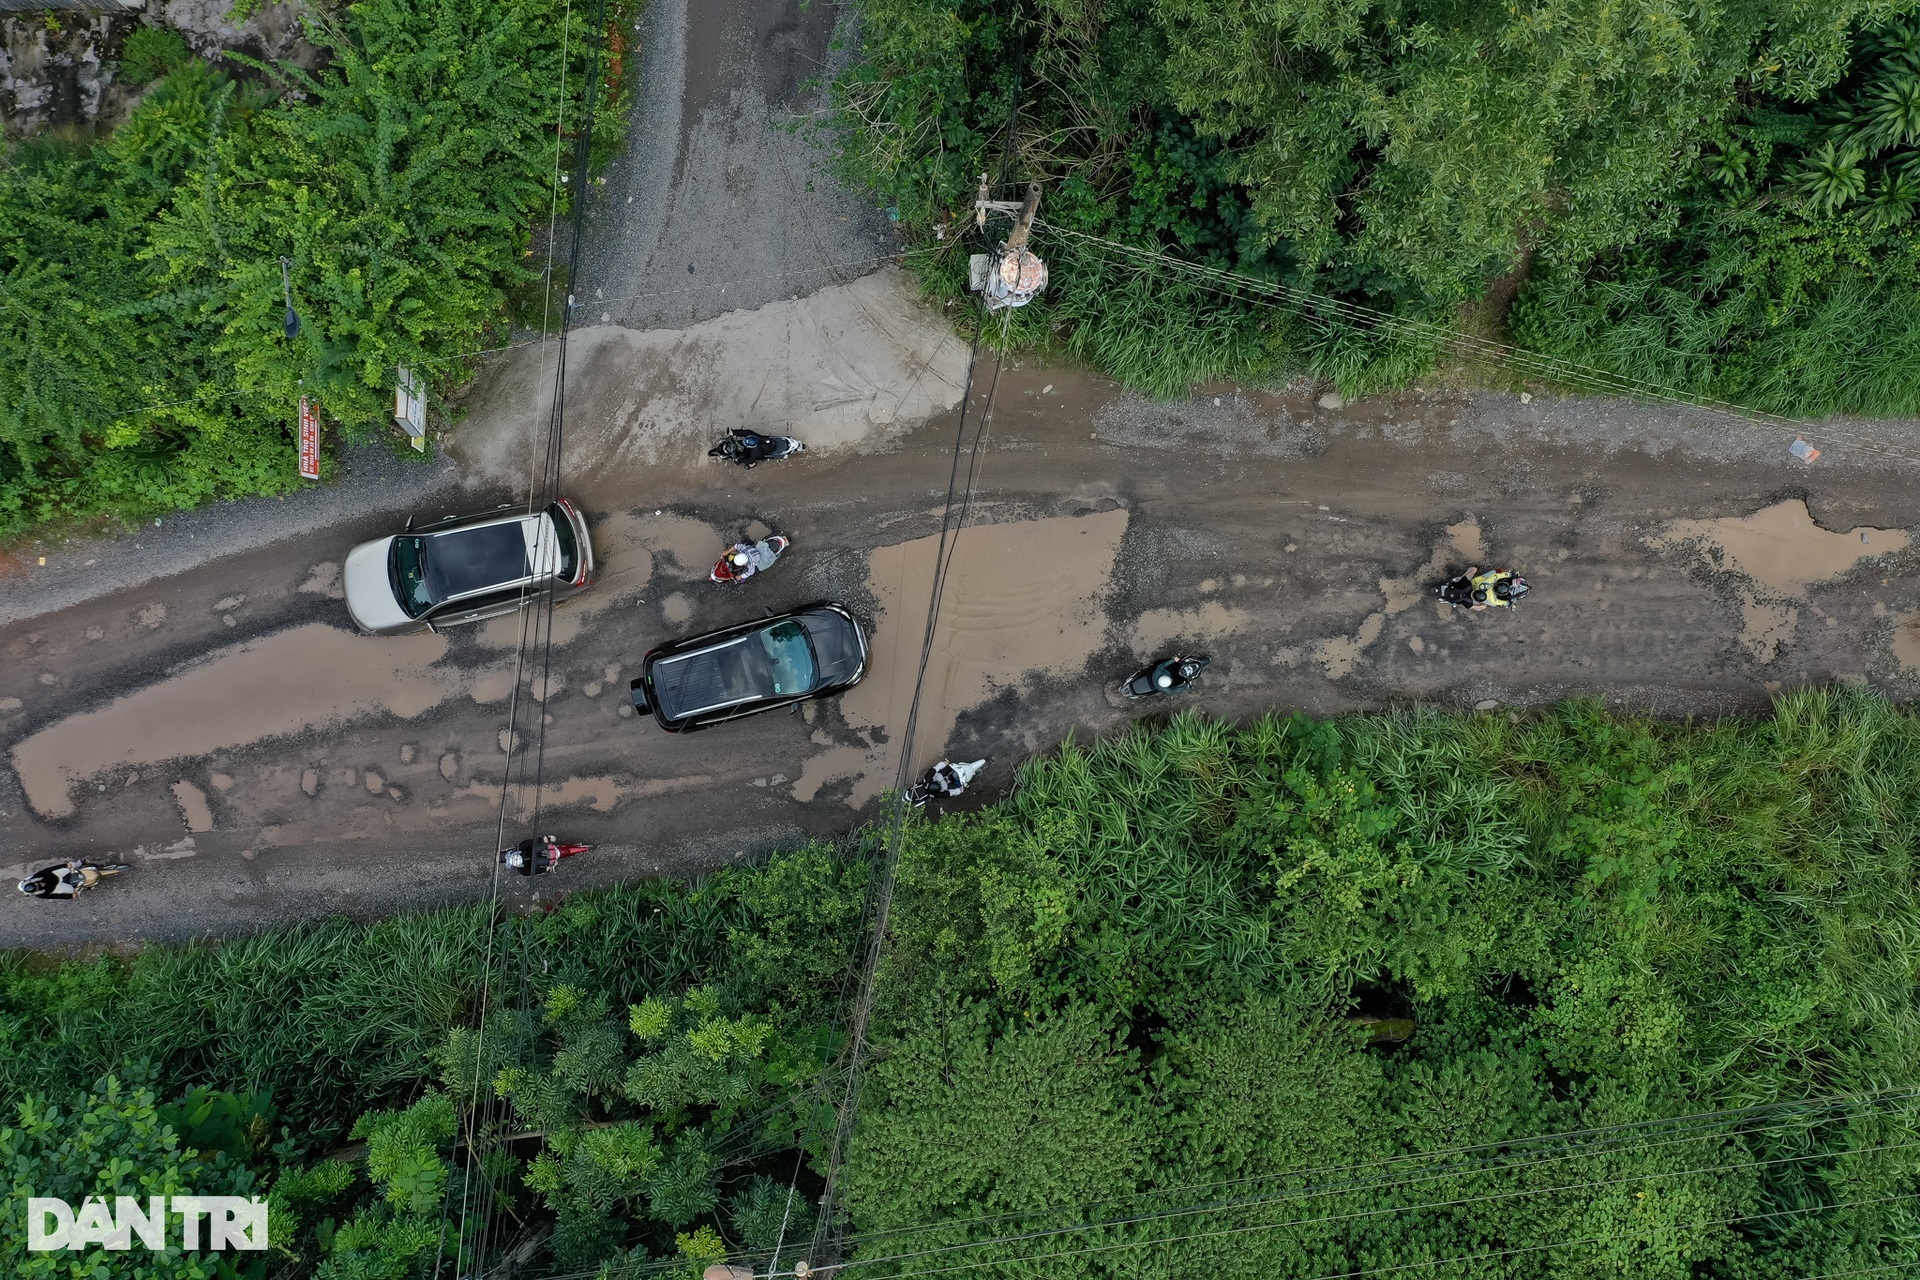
1889,114
1893,200
1831,176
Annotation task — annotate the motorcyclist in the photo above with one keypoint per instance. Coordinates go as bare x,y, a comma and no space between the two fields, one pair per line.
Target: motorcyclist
754,447
537,857
744,559
1458,590
945,779
1175,671
64,881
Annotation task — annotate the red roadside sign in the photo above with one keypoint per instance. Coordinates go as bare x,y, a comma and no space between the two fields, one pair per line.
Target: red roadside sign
309,441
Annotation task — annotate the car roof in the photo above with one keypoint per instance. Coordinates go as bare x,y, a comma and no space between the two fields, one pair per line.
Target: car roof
462,561
712,677
690,678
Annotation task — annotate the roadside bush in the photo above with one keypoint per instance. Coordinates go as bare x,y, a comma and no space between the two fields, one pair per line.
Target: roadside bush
151,52
339,1017
1147,993
661,1039
143,365
107,1142
1787,275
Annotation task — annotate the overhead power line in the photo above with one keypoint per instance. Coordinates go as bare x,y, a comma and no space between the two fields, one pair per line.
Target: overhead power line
1470,1160
1222,1232
1311,1220
1479,1158
542,489
1910,1267
1484,1198
826,1227
1603,1142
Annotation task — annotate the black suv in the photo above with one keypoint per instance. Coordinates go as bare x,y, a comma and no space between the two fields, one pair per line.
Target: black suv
752,667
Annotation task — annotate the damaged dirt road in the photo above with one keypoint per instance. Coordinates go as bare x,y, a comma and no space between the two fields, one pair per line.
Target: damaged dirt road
226,732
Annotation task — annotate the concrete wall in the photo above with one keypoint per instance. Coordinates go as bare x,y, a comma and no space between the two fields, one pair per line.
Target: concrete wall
59,69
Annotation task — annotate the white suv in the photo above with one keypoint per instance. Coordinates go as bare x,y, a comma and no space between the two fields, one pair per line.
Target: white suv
466,568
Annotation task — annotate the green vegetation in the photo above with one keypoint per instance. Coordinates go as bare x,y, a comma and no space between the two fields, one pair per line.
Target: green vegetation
151,52
109,1142
143,364
1787,272
1293,999
1717,197
655,1038
1138,977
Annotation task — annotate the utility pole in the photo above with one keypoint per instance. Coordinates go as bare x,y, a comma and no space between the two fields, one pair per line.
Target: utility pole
286,291
1012,274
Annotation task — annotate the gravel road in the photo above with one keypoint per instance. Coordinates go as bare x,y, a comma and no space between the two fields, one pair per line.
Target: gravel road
721,200
371,479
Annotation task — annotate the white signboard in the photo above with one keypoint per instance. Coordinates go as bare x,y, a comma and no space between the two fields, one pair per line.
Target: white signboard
410,406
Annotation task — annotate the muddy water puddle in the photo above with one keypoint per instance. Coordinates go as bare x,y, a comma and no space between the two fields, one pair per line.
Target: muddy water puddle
1156,629
628,548
1776,555
282,684
1906,642
1020,598
194,809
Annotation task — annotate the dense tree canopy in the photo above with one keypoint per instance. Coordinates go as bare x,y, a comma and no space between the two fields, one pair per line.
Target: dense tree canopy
1400,154
1161,991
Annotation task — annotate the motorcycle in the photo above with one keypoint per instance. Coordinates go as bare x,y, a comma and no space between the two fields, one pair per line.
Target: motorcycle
750,448
1496,589
944,779
537,857
1457,590
744,559
69,879
1167,676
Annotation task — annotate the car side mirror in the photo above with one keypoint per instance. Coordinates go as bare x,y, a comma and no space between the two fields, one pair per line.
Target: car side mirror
768,609
637,690
409,528
793,708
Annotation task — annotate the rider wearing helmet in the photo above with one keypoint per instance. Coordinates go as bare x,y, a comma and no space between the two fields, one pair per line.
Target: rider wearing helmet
531,857
744,559
1494,589
534,857
754,447
63,881
1458,590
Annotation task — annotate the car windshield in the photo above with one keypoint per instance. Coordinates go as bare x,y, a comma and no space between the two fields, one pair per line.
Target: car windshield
408,568
563,536
791,657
